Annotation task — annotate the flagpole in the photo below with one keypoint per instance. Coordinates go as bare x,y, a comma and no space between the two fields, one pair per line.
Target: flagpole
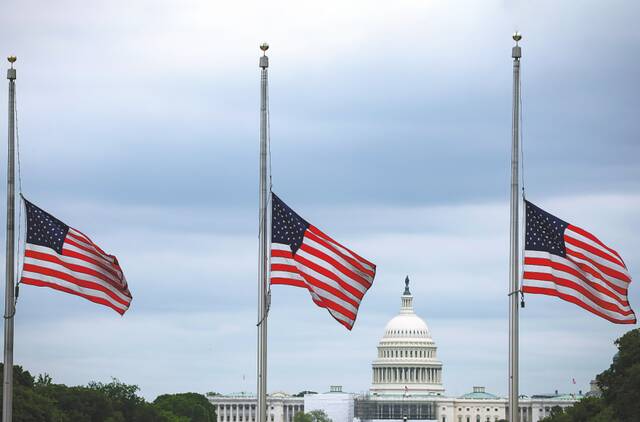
263,241
9,302
514,285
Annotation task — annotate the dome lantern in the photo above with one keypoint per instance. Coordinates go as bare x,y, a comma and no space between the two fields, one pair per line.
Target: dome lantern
407,299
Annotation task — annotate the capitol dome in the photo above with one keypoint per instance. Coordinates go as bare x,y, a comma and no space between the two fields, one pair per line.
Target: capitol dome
407,358
406,326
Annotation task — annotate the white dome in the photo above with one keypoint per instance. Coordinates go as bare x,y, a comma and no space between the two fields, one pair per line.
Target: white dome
407,358
407,326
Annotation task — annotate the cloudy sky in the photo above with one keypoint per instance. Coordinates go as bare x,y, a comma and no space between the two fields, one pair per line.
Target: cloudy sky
390,127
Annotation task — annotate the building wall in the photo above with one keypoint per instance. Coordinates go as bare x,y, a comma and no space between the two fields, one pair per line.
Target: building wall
449,409
338,406
468,410
541,408
242,407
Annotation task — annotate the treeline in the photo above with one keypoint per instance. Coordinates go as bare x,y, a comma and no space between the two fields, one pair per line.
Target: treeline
41,400
620,389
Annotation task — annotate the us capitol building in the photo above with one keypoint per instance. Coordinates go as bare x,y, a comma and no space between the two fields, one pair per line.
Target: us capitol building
406,386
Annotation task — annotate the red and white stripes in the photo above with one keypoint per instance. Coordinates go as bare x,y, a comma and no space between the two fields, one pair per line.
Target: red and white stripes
336,277
592,276
83,269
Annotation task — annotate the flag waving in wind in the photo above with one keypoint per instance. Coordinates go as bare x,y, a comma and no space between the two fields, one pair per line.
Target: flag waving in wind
62,258
303,256
568,262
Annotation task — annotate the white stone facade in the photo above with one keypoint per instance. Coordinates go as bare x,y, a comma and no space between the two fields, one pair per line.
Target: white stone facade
492,410
241,407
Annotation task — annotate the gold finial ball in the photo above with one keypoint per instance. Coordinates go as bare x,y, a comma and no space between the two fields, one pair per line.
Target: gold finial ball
264,46
517,36
12,59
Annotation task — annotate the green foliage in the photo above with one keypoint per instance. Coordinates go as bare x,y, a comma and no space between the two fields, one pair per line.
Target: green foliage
40,400
620,386
43,380
312,416
192,406
557,414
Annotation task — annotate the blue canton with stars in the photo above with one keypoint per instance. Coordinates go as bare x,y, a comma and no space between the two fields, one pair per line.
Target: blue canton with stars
43,229
287,227
544,232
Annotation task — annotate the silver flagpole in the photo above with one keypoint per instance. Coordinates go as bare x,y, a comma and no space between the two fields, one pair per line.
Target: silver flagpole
264,256
9,300
514,285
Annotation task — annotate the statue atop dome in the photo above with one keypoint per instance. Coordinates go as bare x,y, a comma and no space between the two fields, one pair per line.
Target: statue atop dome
406,286
406,298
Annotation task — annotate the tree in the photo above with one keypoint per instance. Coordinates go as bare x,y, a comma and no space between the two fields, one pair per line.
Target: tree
41,400
620,386
193,406
557,414
312,416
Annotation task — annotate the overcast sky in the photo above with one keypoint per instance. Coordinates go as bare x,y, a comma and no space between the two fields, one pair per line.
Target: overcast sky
390,128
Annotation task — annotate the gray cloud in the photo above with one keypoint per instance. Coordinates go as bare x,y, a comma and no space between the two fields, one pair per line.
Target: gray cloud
390,130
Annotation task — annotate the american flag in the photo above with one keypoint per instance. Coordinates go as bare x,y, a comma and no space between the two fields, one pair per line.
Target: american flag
64,259
303,256
568,262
